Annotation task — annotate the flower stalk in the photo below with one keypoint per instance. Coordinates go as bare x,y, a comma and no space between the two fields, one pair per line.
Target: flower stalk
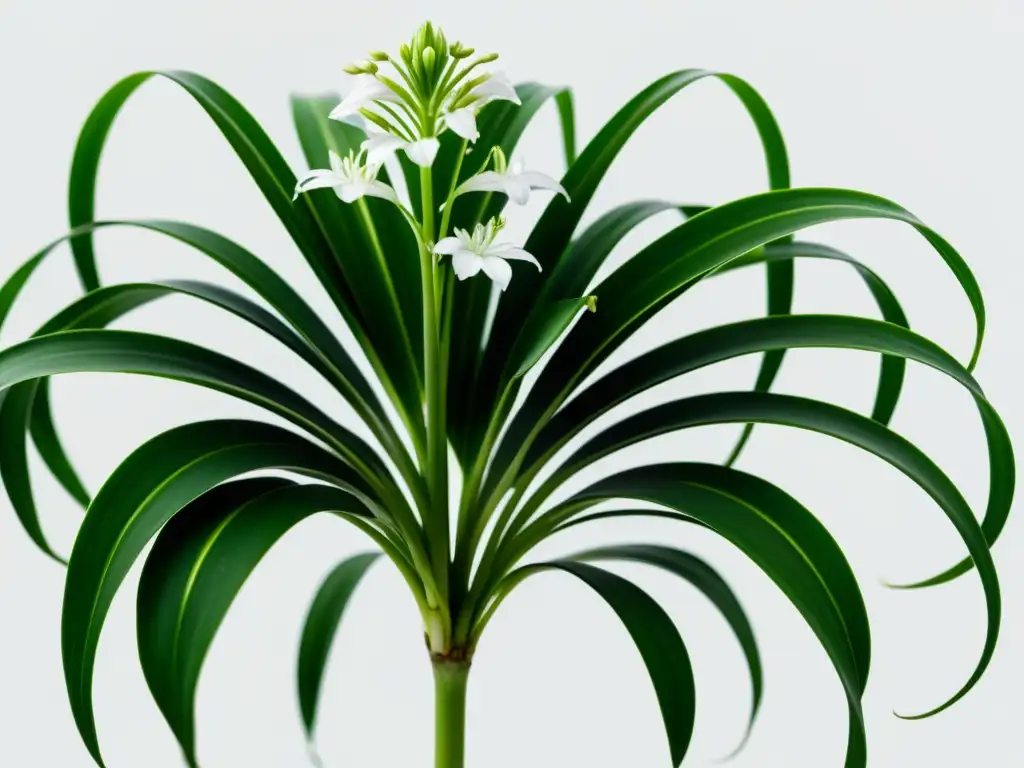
436,88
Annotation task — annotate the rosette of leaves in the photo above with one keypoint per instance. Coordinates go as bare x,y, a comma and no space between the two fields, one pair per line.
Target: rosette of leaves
450,358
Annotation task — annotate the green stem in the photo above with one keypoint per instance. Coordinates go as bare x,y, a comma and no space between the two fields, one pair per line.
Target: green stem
450,680
436,521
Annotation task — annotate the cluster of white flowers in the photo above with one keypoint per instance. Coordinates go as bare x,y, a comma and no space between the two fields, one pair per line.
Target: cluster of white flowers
440,87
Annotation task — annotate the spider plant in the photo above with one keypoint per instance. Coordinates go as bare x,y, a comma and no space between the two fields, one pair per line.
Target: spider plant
473,358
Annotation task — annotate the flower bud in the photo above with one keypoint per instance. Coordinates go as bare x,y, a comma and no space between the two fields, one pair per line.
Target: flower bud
441,44
591,303
379,56
500,160
429,60
459,51
487,58
406,53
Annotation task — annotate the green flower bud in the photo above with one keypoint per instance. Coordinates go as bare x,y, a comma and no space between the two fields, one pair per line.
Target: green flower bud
379,56
592,303
500,160
487,58
459,51
429,60
406,53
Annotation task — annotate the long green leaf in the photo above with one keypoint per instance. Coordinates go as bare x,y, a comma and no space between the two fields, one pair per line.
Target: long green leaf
741,407
149,354
275,180
711,584
776,537
638,289
501,124
893,368
377,250
724,342
655,636
142,494
553,232
320,627
198,565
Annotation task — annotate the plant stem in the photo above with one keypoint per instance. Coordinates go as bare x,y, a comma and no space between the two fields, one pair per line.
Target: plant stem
437,442
450,680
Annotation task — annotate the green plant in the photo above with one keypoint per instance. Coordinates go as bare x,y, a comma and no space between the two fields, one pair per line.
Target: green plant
454,379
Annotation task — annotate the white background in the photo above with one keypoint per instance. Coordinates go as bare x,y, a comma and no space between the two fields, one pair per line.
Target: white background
917,101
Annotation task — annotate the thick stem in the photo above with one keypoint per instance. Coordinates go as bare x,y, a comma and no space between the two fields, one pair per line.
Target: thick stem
450,680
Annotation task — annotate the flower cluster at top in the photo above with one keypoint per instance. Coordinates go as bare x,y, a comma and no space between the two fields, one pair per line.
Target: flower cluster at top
433,87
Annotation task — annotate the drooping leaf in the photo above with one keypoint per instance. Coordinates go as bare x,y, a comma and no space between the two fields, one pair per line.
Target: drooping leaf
198,565
143,493
553,232
642,286
893,368
541,333
656,638
711,584
765,533
722,342
320,627
741,407
276,181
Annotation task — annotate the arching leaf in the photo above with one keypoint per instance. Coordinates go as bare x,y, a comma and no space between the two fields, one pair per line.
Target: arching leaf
711,584
142,494
198,565
320,627
655,636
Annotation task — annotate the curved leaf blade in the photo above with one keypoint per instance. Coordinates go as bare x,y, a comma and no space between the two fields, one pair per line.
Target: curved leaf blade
656,638
199,563
144,492
759,407
320,627
710,583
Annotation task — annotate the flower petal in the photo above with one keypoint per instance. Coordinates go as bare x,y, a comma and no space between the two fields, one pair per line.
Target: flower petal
350,191
368,89
447,246
538,180
487,181
380,189
512,252
518,191
423,152
496,88
380,147
466,264
317,179
497,269
463,122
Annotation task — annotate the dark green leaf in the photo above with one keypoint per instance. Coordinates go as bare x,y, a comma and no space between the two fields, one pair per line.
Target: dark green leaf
302,219
501,124
320,627
143,493
638,289
759,407
711,584
377,250
198,565
656,637
553,232
542,331
721,499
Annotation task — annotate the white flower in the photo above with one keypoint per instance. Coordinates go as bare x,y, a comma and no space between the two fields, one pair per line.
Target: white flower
462,121
515,181
368,89
379,146
472,253
350,179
